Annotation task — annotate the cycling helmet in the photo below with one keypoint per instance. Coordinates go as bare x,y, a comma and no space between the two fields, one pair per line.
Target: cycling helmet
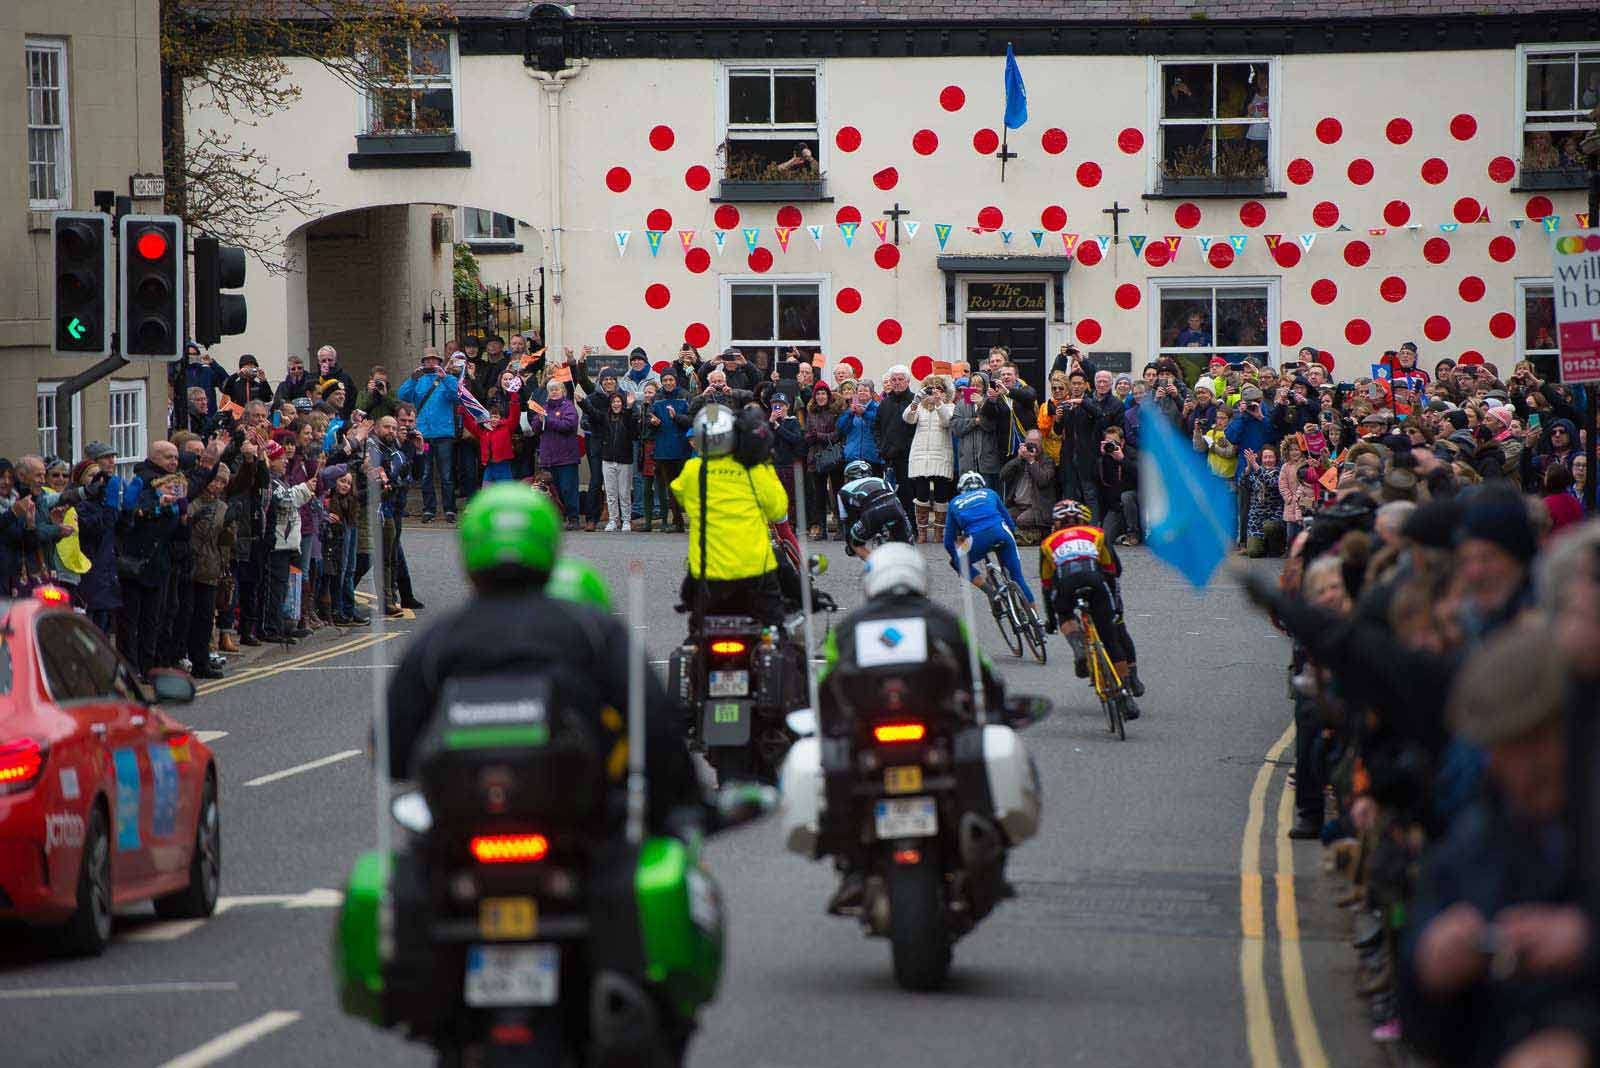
895,568
715,428
1066,512
857,469
971,481
510,524
580,582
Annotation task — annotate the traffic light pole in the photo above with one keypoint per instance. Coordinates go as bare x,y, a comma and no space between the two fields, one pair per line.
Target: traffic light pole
77,384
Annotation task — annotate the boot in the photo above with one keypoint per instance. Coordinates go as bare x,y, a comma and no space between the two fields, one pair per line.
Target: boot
226,642
924,521
1134,685
936,524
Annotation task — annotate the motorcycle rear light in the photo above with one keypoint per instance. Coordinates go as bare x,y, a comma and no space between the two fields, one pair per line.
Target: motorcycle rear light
53,595
509,848
511,1034
908,856
21,764
889,733
728,647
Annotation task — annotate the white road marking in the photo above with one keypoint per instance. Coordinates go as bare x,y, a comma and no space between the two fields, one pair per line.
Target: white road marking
210,736
310,765
336,667
35,993
161,931
318,898
231,1042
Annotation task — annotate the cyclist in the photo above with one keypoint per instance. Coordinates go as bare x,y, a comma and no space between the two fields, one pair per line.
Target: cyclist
977,514
869,511
1077,559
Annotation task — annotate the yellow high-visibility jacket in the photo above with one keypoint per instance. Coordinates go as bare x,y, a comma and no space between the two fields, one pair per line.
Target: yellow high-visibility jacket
740,502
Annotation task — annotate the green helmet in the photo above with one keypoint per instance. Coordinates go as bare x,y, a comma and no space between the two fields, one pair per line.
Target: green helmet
510,524
580,582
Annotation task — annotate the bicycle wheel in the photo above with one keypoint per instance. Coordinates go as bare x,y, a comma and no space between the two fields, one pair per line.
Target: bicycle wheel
1027,623
1006,618
1105,686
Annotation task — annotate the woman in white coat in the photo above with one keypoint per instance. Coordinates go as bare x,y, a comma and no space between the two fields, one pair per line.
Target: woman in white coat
932,463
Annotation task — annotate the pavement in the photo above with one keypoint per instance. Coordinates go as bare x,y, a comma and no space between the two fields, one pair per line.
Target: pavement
1162,915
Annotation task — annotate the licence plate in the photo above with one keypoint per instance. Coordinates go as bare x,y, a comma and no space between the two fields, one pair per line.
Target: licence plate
729,684
512,975
506,918
910,817
906,780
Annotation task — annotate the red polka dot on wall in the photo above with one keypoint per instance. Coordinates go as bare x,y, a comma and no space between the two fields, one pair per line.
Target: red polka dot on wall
1502,248
1325,214
991,218
726,217
760,260
617,337
1392,289
985,141
658,219
1300,171
1130,140
1289,332
847,214
921,367
1220,255
790,216
1088,253
1286,255
1463,127
925,142
886,256
1397,213
952,98
1539,207
1436,250
1502,325
1398,131
1053,141
1252,213
661,138
1471,289
1502,169
1436,328
698,260
657,296
1187,215
853,363
1088,331
1359,172
848,139
886,179
1329,131
1357,253
1358,331
1323,291
697,334
1467,210
1435,170
848,300
618,179
889,331
1053,218
1470,357
1128,296
697,177
1157,254
1089,174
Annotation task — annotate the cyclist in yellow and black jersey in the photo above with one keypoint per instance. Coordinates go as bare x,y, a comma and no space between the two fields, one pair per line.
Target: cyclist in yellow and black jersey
1075,560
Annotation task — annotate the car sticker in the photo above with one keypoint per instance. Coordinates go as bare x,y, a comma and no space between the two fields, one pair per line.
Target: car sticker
891,641
69,784
163,790
127,765
62,829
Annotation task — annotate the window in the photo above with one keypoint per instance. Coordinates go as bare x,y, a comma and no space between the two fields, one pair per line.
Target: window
1215,121
128,424
67,672
1192,321
1559,87
772,123
49,170
1537,338
45,404
774,315
480,225
416,93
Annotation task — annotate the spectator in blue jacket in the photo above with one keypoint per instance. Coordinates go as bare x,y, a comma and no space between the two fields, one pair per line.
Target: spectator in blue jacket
671,408
435,395
1250,429
855,429
204,373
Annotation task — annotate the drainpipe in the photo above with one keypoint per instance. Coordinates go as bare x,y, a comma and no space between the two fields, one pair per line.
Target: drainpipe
552,84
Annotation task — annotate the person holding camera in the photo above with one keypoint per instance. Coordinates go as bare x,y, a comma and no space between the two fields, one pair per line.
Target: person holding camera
435,395
1029,479
248,383
931,462
1079,428
1249,431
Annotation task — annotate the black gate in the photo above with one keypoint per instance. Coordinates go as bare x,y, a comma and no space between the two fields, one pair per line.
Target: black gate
512,308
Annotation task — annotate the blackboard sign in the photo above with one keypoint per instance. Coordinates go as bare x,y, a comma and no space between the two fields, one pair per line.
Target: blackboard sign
1115,362
599,361
1005,297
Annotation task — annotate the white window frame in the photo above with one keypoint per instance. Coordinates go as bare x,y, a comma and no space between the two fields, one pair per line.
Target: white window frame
1269,343
63,198
45,392
1153,139
1519,120
369,114
823,282
138,389
486,239
1522,287
776,131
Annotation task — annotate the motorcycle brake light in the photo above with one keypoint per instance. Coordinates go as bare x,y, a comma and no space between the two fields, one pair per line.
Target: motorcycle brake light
728,647
899,732
509,848
908,856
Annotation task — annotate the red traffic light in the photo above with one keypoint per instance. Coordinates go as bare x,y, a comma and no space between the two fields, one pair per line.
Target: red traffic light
152,244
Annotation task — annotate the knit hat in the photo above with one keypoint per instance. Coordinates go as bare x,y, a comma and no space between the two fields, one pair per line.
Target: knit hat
1457,419
1500,517
96,449
1433,524
1502,415
274,451
1512,685
638,354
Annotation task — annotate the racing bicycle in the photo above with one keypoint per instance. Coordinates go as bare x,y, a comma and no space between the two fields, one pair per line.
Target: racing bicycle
1013,614
1108,686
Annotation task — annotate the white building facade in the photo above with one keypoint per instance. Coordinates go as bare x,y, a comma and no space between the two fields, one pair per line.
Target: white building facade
1347,183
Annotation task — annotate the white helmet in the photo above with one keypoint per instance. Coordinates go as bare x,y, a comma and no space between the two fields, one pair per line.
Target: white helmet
714,430
971,480
895,567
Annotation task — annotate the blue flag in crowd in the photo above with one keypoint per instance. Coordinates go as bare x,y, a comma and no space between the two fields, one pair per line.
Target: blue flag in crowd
1189,510
1016,92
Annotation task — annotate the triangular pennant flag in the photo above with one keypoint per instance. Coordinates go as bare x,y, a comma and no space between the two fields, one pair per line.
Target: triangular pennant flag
942,232
1343,229
654,237
1583,220
1205,243
720,239
1516,224
911,226
1103,240
974,229
848,232
1414,227
1136,242
1238,241
1173,241
1071,241
1483,216
816,235
1379,232
783,233
687,237
1449,228
752,237
1038,238
621,237
1307,240
1272,241
1551,223
1005,236
881,228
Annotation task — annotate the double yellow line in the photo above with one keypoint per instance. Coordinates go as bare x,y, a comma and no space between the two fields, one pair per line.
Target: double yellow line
1260,1034
366,641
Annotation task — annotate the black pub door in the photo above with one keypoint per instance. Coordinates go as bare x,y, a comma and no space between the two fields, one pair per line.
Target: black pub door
1024,337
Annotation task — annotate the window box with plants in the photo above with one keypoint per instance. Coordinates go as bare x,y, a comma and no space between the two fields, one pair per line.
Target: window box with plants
752,171
400,142
1240,169
1551,173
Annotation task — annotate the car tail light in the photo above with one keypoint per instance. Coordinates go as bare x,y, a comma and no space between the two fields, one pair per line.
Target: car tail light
21,764
728,647
509,848
889,733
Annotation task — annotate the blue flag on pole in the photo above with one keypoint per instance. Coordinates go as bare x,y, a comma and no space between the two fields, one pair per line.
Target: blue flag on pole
1016,92
1189,510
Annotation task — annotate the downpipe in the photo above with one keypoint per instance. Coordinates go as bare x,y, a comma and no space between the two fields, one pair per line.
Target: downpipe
553,84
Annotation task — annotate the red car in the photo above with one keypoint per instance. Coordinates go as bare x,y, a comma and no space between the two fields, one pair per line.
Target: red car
105,800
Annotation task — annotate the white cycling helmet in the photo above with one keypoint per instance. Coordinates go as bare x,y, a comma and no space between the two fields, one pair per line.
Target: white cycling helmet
970,481
714,430
895,567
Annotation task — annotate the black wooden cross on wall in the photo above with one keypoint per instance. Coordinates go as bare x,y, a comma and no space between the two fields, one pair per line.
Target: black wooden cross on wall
895,213
1116,211
1004,154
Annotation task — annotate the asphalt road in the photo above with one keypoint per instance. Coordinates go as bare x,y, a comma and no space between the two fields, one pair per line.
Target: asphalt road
1162,918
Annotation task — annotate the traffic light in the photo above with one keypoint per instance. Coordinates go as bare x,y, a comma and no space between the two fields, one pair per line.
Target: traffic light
150,265
81,246
217,267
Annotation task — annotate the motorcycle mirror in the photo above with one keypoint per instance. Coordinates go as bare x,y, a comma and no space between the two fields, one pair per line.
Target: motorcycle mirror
819,564
802,722
411,811
743,803
1024,712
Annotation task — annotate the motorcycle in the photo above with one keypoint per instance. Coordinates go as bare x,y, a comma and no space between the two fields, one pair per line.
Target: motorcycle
926,806
516,929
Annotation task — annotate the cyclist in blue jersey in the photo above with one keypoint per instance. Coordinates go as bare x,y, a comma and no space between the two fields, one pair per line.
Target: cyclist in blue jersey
978,514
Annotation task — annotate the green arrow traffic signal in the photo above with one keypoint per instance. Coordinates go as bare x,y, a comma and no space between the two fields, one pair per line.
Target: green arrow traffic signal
76,328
